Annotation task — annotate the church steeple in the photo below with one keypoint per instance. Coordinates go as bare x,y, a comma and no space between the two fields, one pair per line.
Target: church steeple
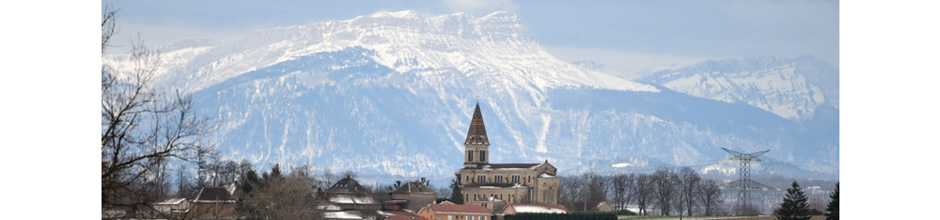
477,132
477,143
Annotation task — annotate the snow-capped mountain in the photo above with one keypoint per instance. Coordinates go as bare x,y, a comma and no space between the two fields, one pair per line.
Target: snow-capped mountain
790,88
392,93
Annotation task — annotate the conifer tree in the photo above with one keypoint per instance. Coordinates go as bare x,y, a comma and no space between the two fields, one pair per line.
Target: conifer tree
832,210
794,205
456,196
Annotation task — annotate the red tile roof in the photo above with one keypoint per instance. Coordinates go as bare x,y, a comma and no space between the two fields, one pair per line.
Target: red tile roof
403,217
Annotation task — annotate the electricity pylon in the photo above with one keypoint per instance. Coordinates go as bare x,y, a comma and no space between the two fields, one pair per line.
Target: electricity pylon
744,171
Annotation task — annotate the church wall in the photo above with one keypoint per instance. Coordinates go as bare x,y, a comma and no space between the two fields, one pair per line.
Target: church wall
546,191
511,195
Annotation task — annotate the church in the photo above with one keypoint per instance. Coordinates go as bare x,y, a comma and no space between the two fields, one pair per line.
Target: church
494,185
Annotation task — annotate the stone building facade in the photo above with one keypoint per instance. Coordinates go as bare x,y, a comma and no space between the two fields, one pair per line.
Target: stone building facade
488,184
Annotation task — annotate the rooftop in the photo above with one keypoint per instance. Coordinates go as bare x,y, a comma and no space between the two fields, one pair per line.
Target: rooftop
537,208
414,187
477,132
458,209
213,194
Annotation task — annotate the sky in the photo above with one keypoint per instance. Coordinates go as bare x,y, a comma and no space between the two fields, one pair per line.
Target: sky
626,37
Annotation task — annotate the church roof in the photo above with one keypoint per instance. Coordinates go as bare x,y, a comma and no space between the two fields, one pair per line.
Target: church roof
477,132
512,165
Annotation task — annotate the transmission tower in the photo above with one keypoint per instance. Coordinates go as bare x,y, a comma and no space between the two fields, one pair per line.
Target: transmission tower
744,171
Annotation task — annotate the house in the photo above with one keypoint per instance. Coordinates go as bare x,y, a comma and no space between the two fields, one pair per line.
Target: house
173,207
454,212
515,208
404,217
214,203
412,195
482,181
348,195
342,215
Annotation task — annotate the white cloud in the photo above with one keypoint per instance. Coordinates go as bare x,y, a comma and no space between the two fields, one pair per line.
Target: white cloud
480,7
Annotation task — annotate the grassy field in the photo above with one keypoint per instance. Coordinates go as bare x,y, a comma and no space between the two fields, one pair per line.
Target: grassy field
635,217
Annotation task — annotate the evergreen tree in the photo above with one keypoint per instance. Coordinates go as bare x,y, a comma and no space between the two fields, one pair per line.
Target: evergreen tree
832,210
794,205
276,172
456,196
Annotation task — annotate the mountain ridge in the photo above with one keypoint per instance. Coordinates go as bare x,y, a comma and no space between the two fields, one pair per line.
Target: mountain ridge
323,94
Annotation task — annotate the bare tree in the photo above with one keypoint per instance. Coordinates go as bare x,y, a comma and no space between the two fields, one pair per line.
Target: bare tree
573,189
665,182
108,26
710,197
142,127
282,197
328,177
622,190
644,192
689,185
596,187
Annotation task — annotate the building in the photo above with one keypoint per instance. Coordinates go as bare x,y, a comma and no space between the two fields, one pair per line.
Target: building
214,203
173,207
516,208
350,200
403,217
454,212
483,182
342,215
412,195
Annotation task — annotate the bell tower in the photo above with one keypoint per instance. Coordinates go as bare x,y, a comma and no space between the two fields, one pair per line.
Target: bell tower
477,145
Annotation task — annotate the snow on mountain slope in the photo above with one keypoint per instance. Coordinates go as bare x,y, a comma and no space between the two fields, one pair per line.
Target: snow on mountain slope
791,88
494,45
391,93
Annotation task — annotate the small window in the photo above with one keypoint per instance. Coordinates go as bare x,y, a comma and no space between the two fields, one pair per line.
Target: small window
470,156
482,155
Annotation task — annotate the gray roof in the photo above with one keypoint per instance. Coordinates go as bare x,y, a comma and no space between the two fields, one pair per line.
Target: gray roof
413,187
213,194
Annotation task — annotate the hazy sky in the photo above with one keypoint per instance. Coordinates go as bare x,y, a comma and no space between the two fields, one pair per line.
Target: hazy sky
625,36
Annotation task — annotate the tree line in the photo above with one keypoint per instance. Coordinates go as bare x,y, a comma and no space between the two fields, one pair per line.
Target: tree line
665,191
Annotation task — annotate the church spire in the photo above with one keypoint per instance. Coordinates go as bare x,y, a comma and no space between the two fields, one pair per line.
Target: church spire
477,132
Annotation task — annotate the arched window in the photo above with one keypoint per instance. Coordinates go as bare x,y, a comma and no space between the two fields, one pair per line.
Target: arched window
470,156
482,155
